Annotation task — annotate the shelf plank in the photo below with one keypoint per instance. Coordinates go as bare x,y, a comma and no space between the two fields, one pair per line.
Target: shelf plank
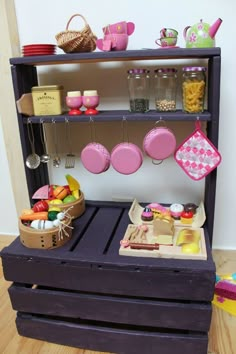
139,54
117,115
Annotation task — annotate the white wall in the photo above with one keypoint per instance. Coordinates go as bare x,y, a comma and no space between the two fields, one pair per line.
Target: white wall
8,217
39,22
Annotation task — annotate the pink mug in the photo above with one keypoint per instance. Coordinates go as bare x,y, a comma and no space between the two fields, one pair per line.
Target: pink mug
122,27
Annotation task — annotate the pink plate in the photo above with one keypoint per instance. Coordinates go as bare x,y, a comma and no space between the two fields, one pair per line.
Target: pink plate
95,158
159,143
126,158
169,47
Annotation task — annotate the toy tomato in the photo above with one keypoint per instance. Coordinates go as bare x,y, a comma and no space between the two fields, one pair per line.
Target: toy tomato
42,205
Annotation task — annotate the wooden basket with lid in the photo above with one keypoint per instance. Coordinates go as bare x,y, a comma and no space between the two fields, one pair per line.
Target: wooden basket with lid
46,239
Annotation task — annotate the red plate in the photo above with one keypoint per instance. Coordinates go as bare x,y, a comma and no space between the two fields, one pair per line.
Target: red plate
38,46
29,54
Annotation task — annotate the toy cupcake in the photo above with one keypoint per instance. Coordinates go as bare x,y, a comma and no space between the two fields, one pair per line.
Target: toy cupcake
147,214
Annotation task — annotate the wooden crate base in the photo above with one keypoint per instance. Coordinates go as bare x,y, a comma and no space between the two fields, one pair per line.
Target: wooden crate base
178,315
118,339
84,294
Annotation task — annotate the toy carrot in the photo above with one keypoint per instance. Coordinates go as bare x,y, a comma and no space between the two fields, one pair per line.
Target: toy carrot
43,215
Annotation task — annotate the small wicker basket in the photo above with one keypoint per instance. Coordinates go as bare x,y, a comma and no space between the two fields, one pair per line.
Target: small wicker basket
75,209
72,41
45,239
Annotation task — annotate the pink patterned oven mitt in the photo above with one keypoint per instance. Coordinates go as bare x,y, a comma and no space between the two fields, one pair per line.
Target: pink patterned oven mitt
197,156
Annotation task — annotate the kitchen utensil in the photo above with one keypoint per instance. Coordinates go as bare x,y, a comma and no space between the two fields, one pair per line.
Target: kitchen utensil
168,32
201,34
122,27
56,159
166,41
45,157
159,143
95,157
70,158
197,156
126,157
32,160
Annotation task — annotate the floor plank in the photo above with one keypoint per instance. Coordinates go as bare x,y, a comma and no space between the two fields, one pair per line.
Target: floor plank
222,339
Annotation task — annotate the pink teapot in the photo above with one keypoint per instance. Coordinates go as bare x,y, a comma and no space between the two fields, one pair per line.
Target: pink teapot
116,36
201,35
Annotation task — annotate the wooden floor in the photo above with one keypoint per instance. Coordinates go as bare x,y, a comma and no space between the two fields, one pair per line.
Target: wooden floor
222,338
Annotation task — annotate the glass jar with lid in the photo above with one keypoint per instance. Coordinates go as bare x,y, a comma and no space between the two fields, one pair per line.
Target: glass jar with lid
139,90
193,88
165,86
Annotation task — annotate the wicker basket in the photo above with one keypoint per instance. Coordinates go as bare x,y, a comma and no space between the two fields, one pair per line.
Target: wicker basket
45,239
75,209
77,41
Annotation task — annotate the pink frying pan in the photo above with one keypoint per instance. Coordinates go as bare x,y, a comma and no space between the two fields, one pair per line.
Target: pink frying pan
159,143
95,158
126,158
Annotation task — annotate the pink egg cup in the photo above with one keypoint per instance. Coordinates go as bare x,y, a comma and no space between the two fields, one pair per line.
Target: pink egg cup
74,103
90,102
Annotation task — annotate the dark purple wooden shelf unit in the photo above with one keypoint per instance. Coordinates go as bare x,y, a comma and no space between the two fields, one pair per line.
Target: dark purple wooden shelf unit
84,294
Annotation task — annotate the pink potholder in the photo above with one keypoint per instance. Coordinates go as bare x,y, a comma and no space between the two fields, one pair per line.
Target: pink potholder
197,156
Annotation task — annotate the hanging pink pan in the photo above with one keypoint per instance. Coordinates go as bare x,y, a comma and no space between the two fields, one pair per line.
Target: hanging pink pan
159,143
126,158
95,158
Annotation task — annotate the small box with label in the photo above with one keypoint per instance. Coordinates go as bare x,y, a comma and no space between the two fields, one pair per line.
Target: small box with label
47,100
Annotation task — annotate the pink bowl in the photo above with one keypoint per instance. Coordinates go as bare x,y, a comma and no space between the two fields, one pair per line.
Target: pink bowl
95,158
159,143
126,158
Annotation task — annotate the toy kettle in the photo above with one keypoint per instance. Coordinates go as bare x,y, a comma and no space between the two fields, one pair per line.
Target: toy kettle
201,35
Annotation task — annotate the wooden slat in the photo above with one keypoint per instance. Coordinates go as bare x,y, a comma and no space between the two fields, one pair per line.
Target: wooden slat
162,314
99,232
115,339
94,57
184,285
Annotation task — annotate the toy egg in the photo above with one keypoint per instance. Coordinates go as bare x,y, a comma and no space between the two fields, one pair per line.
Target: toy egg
41,224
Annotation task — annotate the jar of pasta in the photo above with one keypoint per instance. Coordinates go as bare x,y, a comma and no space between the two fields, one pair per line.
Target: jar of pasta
194,87
165,84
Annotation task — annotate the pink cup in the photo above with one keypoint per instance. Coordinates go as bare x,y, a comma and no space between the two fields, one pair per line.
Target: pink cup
122,27
117,41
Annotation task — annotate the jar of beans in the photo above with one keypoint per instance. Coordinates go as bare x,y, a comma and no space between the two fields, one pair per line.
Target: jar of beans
139,90
165,87
193,88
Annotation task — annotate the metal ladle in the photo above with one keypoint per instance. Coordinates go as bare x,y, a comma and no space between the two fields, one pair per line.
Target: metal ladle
32,160
45,157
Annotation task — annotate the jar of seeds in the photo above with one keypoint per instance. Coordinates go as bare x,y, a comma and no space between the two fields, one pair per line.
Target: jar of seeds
165,86
139,90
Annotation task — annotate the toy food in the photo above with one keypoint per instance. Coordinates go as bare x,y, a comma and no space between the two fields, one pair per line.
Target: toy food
69,199
43,215
147,214
60,192
73,183
176,210
190,248
187,236
186,217
193,96
42,205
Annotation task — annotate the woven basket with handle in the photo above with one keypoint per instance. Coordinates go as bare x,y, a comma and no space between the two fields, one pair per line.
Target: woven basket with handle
72,41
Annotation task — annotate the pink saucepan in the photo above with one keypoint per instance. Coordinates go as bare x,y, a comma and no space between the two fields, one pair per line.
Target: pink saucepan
95,158
126,158
159,143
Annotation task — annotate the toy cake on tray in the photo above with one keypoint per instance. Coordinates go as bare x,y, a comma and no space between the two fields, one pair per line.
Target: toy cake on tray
166,232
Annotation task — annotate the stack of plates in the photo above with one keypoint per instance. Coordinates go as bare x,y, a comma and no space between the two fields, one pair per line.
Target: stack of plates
38,49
